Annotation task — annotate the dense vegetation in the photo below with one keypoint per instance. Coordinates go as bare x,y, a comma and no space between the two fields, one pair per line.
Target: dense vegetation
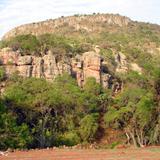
30,44
36,113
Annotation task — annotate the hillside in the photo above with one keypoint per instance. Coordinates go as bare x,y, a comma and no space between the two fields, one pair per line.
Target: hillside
88,23
78,80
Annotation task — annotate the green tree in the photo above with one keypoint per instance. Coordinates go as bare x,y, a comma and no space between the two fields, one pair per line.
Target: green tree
49,108
2,74
12,135
133,113
88,127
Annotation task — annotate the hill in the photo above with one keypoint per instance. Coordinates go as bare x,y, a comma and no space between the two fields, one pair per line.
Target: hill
73,24
80,79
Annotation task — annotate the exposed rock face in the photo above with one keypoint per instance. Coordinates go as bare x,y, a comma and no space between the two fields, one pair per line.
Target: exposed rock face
32,66
84,22
49,67
89,65
136,68
37,67
52,67
121,61
25,60
106,80
92,66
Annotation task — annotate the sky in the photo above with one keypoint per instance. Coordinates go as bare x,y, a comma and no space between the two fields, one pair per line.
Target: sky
17,12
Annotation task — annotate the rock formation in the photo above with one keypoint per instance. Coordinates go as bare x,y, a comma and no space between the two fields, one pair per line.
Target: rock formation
121,62
81,67
135,67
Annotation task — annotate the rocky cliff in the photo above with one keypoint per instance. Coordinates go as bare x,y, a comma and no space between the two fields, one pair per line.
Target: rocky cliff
81,67
123,45
89,64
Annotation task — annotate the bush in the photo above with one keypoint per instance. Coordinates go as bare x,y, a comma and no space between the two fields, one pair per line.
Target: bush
88,127
12,135
27,44
68,139
2,74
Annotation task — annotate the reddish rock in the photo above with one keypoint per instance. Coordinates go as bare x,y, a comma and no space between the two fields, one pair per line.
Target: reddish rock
92,66
49,66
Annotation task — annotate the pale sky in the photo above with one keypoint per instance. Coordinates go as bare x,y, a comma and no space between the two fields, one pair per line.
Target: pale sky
17,12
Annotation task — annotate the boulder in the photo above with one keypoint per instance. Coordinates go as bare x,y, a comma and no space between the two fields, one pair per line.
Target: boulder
135,67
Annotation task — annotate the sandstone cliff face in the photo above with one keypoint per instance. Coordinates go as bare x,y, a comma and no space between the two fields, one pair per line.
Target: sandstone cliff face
81,67
31,66
76,23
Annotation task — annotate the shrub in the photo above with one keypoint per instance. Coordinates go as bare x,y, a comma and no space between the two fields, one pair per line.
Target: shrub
12,135
68,139
2,73
27,44
88,127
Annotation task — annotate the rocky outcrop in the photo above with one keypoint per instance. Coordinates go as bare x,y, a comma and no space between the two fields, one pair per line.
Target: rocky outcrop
135,67
81,67
31,66
76,23
123,66
92,66
87,65
121,61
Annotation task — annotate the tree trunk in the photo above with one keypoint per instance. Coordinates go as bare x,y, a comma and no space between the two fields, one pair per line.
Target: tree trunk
128,138
134,139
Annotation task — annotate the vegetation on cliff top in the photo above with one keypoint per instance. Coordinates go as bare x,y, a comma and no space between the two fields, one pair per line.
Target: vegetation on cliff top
32,45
